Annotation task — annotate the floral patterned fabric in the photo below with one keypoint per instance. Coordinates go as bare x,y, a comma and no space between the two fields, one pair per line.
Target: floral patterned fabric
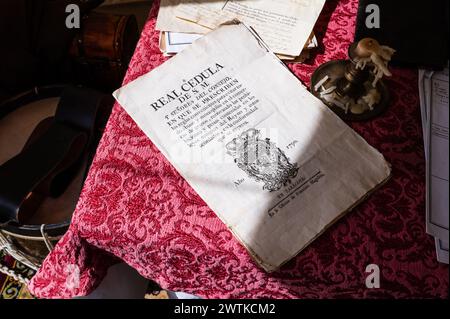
9,287
136,206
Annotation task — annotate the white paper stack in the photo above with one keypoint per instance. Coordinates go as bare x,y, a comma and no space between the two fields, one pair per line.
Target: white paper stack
285,25
433,89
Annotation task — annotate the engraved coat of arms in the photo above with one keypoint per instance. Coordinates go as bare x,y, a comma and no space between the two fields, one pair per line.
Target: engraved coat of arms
262,160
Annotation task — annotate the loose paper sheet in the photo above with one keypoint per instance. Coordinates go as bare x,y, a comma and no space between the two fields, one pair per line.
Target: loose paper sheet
433,90
167,20
174,42
424,95
171,43
437,148
441,250
270,159
284,25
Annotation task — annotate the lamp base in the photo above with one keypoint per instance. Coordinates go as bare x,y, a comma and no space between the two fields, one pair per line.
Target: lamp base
359,111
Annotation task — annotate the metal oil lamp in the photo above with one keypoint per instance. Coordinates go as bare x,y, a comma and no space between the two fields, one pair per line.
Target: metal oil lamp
354,88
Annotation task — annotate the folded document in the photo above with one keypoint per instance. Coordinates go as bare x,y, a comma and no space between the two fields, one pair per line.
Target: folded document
270,159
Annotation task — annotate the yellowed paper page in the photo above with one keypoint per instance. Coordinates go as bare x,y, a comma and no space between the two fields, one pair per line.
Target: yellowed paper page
285,25
167,20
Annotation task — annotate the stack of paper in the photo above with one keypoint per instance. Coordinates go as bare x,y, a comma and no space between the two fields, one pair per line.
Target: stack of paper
433,89
285,25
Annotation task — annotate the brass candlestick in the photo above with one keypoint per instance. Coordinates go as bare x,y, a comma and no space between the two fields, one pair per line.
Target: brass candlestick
354,88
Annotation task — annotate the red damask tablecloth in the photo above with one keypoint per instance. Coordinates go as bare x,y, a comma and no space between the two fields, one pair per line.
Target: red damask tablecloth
136,206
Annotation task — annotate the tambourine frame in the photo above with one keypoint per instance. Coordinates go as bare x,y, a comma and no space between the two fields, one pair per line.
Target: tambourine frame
32,232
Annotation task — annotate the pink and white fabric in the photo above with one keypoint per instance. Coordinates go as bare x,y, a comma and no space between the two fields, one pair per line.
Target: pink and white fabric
136,207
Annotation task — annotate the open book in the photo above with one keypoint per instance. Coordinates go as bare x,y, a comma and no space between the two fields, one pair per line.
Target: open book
270,159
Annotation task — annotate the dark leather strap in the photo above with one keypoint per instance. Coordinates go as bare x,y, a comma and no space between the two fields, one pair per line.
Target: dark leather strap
49,160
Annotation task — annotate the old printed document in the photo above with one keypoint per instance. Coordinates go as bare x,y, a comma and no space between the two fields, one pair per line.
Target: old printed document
270,159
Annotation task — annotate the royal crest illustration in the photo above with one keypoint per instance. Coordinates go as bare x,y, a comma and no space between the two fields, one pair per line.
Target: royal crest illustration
262,160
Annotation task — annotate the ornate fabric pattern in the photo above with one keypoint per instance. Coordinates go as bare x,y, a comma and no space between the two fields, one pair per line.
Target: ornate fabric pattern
136,206
9,287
